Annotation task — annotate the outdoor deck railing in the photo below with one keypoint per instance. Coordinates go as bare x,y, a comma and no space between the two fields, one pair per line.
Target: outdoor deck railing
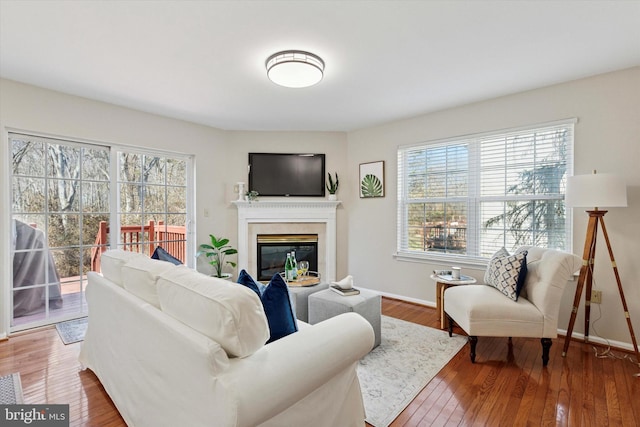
142,238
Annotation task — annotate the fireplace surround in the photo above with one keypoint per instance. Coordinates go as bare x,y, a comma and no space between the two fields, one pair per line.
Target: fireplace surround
288,217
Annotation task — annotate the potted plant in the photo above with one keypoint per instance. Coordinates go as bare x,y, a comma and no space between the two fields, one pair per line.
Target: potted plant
252,195
217,252
332,186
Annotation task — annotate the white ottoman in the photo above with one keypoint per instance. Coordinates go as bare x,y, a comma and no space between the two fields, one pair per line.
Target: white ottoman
299,296
326,304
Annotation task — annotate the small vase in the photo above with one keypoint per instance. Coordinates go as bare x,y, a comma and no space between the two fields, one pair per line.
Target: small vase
333,197
240,191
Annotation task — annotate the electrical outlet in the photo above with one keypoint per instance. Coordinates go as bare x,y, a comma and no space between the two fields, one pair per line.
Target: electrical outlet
235,188
596,297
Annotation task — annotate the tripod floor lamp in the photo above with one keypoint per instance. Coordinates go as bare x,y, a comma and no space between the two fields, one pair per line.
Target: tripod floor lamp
602,190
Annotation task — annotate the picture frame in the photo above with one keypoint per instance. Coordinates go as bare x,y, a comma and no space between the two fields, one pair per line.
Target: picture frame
371,181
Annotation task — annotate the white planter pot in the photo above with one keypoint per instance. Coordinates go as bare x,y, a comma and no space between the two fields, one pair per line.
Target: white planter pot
333,197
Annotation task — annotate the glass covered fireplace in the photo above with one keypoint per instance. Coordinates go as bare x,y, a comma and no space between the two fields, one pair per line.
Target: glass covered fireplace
273,249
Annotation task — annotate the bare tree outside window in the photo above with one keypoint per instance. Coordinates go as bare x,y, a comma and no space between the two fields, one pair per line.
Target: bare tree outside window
61,211
472,195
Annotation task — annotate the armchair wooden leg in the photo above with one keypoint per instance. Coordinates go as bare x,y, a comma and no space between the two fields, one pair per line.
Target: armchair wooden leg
450,323
472,344
546,345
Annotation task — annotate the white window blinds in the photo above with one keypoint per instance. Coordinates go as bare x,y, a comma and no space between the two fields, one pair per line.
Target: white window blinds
471,195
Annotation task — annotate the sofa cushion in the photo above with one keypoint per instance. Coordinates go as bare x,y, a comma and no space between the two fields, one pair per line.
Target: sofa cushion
161,254
229,314
276,302
507,273
140,275
112,261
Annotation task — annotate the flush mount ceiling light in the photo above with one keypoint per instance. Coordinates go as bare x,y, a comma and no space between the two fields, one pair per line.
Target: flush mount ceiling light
294,68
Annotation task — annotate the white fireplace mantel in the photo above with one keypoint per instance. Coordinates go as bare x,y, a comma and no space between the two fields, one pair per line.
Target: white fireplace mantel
293,212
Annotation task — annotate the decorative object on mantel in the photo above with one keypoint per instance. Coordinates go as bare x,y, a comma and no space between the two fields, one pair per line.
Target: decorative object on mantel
332,186
252,196
372,179
241,192
217,251
595,191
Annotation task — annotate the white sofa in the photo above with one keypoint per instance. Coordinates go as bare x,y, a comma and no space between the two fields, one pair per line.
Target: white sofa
149,341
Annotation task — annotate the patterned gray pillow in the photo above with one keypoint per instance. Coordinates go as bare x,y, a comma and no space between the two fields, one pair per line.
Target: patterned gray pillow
507,273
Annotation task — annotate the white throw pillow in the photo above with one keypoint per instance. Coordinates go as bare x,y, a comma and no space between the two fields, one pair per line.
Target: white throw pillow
228,313
140,275
507,273
112,261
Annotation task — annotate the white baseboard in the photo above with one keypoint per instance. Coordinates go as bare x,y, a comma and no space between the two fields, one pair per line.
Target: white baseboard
404,298
594,339
598,340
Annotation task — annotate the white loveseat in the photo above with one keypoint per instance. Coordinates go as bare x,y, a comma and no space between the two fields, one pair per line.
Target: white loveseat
149,341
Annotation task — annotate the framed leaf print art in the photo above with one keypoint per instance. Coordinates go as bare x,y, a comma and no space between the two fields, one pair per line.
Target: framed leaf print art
372,179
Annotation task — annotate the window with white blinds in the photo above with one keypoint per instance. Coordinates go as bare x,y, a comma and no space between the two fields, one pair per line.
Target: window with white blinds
469,196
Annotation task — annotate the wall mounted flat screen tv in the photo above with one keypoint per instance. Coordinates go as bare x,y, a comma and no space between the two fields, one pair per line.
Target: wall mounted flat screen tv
287,174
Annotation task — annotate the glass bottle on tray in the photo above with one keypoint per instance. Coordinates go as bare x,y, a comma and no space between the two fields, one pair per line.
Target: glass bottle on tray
288,267
294,266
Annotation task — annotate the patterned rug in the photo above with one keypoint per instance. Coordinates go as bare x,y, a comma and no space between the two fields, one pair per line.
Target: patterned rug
408,357
11,390
72,330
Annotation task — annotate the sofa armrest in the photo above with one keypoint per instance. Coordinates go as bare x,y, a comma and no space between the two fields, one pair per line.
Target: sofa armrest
285,371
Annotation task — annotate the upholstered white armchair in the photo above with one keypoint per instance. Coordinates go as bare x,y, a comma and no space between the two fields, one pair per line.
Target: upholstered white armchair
482,310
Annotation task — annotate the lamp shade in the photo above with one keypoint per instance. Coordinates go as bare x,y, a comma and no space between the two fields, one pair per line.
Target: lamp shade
598,190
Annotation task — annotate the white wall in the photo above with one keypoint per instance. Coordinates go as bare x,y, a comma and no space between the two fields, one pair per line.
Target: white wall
607,139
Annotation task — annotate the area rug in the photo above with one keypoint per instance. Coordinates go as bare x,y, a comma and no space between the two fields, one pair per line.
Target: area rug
11,390
72,330
393,373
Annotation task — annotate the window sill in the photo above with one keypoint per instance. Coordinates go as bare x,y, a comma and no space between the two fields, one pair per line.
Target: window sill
443,259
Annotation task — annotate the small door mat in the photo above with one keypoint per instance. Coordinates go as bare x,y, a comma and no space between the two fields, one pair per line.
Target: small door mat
11,390
72,330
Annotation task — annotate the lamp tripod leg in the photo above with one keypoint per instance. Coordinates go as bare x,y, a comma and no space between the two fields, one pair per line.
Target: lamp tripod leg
622,298
585,277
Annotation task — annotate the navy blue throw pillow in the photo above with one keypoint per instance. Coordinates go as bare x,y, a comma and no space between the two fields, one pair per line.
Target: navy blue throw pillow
163,255
276,304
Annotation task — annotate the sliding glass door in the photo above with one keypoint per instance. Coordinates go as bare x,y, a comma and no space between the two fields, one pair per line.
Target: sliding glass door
66,198
60,193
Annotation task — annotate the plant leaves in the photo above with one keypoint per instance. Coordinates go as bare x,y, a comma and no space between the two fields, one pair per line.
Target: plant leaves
371,186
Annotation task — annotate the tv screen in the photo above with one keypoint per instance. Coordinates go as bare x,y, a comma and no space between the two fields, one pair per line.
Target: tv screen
290,174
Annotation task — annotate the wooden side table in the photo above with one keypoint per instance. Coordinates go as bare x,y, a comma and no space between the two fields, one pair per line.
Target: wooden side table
441,286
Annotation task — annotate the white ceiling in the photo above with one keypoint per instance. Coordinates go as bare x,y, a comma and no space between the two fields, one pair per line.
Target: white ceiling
203,61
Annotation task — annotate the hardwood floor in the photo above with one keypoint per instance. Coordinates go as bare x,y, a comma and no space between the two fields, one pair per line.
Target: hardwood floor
506,386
